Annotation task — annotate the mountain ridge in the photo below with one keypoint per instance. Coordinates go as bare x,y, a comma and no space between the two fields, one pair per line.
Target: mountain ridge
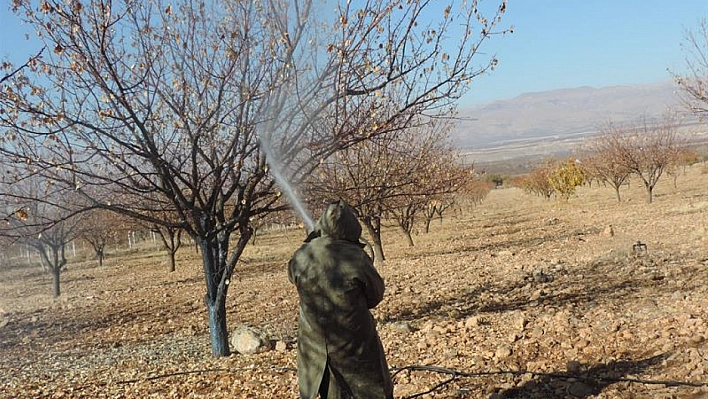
561,113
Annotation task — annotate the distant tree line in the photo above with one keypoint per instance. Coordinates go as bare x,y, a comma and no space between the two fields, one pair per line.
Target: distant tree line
646,150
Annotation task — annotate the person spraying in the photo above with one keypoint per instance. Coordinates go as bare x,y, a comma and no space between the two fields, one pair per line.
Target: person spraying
339,352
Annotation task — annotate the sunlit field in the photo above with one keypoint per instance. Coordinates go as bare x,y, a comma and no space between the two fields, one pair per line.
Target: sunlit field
519,297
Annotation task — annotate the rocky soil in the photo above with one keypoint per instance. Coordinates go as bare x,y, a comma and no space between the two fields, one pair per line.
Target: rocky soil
516,298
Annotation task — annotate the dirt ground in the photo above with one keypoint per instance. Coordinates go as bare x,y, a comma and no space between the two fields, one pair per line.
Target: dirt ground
517,298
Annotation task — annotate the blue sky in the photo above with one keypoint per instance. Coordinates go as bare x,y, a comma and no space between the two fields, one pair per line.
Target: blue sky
572,43
555,44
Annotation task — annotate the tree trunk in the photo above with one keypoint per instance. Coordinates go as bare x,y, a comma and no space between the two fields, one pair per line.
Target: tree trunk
218,331
99,256
171,260
218,268
617,193
214,260
650,194
378,250
426,228
409,237
56,271
45,267
374,229
171,242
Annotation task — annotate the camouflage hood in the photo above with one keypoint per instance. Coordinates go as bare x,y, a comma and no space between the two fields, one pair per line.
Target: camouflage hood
338,222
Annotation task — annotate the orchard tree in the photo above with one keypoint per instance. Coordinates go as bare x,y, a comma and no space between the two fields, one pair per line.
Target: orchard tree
51,244
538,181
170,233
688,157
434,175
434,207
365,176
100,227
434,191
604,164
565,177
46,226
202,105
646,148
466,189
171,239
694,81
431,210
391,176
474,189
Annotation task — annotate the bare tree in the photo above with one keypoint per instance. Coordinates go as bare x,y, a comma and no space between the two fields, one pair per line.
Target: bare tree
603,164
169,230
51,245
472,192
364,175
694,81
389,177
688,157
46,226
645,149
437,205
431,210
100,228
171,239
435,176
202,106
538,180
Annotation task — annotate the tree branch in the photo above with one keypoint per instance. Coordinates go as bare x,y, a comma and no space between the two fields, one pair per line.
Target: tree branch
21,67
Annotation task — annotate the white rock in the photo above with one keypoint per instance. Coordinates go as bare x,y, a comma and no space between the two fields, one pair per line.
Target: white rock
502,352
402,326
247,340
472,322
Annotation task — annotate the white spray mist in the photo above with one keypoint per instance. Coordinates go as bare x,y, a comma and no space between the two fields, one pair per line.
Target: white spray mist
276,170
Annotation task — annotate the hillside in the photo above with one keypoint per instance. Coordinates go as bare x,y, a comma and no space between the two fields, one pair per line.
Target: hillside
552,122
561,113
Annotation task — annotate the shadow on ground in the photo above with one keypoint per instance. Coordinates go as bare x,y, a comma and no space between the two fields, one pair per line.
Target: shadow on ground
589,381
600,282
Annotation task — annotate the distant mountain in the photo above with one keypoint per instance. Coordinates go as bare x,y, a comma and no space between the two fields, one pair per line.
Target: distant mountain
560,114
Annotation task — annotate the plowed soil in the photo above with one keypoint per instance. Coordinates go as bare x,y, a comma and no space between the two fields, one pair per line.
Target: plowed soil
519,297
